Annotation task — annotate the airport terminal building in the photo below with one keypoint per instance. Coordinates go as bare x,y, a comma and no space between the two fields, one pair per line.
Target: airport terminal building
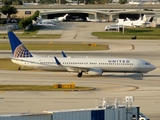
105,110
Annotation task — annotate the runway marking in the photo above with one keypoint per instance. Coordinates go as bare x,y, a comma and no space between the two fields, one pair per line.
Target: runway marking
15,101
117,87
64,102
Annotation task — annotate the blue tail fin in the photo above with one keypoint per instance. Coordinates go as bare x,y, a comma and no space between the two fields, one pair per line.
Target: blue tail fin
18,49
64,55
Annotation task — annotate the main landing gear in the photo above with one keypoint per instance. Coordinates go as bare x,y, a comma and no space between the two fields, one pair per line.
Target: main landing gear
79,74
141,75
19,68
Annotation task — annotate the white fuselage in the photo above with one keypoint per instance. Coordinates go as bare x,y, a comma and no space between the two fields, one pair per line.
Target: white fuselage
130,23
105,64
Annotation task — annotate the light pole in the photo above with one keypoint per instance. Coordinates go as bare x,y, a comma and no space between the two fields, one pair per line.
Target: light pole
123,26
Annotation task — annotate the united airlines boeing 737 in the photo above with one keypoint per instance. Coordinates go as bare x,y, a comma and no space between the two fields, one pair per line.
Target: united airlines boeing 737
92,66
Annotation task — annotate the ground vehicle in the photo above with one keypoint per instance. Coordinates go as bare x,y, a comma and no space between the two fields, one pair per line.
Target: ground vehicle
112,27
143,117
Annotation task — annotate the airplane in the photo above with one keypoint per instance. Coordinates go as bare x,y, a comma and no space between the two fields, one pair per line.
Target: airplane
134,3
139,3
44,24
58,19
92,66
92,20
62,18
41,20
142,21
135,23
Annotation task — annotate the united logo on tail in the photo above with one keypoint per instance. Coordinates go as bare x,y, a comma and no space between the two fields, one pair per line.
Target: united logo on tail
18,49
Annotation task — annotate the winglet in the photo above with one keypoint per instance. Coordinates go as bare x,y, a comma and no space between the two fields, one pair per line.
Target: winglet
63,54
57,61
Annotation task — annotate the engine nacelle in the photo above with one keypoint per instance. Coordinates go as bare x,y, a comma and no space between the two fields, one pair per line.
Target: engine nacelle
94,71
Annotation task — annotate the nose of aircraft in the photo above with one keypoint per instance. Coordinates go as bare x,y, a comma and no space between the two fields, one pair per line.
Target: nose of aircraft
153,67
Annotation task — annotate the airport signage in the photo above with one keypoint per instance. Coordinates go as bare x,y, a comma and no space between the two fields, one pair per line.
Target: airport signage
27,12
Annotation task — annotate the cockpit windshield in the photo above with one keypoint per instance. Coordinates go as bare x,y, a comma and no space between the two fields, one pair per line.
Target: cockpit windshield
147,64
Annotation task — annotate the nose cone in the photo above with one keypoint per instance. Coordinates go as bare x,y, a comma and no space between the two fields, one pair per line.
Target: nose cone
153,67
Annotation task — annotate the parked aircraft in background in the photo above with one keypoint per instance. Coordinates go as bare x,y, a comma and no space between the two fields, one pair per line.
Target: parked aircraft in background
142,20
62,18
44,24
92,66
133,3
139,3
136,23
41,20
92,20
58,19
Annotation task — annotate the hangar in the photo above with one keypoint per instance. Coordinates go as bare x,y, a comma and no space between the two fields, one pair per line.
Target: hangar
75,13
109,12
102,14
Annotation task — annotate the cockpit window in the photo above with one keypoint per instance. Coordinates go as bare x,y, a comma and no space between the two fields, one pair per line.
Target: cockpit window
147,63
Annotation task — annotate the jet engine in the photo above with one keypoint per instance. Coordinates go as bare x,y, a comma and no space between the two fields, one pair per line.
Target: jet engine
94,71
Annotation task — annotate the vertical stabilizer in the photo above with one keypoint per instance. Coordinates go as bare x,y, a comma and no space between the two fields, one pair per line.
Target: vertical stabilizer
40,18
34,22
87,18
18,49
140,18
128,19
144,18
64,55
65,15
151,19
120,22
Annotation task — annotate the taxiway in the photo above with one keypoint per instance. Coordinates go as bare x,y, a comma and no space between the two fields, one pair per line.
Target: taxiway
146,90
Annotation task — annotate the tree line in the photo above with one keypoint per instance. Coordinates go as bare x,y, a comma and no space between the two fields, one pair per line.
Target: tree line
8,10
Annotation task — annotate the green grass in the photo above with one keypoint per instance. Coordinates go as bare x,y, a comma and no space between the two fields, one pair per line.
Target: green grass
31,34
39,88
141,33
55,46
7,64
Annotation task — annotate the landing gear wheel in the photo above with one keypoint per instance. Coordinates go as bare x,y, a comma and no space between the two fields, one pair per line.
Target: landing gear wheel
19,68
79,74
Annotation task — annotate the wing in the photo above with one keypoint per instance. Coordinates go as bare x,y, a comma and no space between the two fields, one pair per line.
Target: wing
72,68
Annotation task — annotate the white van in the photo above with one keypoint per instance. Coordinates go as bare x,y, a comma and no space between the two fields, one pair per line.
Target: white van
143,117
112,27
